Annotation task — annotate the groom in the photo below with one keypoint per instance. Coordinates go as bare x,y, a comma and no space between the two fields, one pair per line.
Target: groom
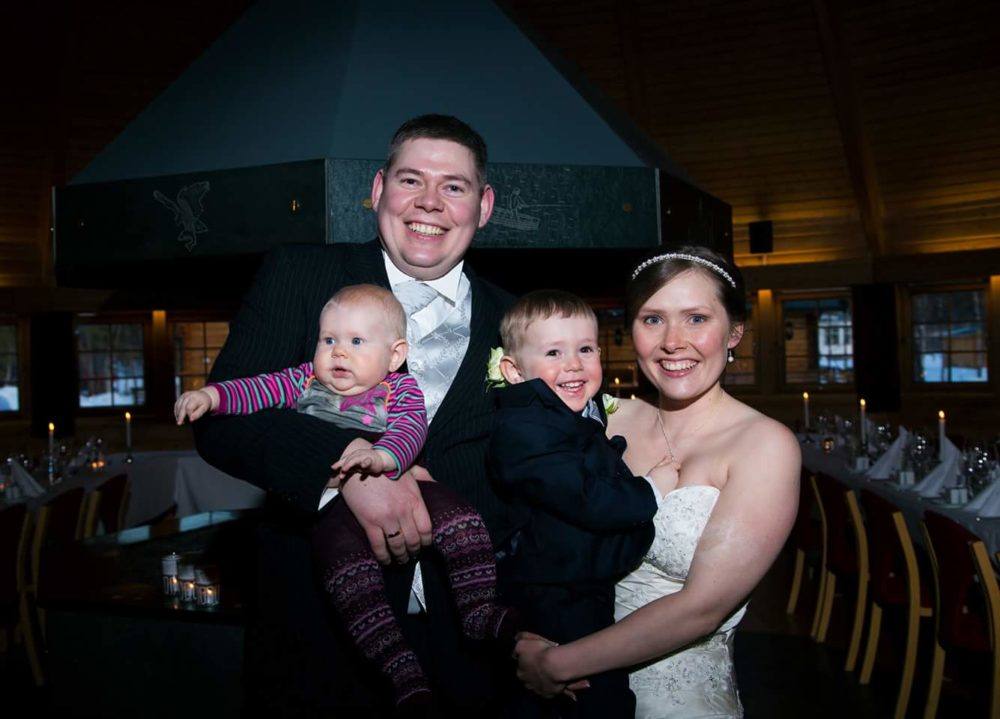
430,197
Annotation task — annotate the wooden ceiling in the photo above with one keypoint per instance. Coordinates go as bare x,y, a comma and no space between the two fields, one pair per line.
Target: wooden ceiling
859,128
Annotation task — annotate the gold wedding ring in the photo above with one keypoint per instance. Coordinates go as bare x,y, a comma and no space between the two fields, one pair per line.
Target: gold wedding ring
394,534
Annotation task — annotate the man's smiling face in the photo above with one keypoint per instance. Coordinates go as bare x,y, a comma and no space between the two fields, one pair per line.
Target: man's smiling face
430,204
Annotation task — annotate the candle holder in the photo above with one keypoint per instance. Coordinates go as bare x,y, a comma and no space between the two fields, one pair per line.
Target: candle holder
171,585
208,587
185,573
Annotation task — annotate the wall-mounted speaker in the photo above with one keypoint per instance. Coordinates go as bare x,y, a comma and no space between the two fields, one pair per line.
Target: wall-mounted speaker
761,237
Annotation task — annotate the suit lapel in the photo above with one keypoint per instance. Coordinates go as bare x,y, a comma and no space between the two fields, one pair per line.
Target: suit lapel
471,377
365,265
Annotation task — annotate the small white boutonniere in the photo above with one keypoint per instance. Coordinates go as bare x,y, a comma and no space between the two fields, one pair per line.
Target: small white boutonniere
610,403
494,378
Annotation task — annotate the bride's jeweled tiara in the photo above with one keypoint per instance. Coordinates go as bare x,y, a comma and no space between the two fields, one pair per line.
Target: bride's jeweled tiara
690,258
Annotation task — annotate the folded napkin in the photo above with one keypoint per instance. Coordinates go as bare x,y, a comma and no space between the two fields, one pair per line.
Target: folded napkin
942,476
24,481
891,459
987,502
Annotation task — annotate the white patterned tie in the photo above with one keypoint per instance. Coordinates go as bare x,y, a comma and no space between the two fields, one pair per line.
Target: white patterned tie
414,296
438,340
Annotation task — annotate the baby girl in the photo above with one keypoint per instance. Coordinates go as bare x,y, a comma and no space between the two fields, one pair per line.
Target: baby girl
353,382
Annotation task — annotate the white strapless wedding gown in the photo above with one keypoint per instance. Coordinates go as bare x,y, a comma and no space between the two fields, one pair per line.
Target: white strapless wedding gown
698,680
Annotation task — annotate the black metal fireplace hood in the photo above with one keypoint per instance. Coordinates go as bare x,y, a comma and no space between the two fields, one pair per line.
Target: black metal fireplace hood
274,134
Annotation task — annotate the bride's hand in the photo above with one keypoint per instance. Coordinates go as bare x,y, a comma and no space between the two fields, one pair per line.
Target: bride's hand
530,651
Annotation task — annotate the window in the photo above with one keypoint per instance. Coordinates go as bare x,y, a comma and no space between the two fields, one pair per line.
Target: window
9,395
743,369
818,341
617,352
949,336
196,345
111,365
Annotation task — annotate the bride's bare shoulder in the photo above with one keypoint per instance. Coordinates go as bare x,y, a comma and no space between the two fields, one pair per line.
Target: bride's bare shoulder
628,413
760,439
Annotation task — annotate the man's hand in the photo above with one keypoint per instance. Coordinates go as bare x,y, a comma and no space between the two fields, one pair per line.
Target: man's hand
391,512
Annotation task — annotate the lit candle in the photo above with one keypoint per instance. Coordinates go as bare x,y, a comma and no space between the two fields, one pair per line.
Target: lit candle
52,439
128,431
805,410
864,422
941,436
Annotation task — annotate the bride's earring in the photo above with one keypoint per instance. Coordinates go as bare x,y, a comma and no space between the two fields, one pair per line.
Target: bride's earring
732,357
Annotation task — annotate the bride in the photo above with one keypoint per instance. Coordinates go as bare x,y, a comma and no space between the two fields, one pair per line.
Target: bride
735,494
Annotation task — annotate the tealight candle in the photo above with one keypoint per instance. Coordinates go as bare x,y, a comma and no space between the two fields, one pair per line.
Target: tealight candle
208,589
805,411
171,586
941,435
185,573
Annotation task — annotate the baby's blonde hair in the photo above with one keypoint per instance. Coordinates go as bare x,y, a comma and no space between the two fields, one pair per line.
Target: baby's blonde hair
539,305
395,316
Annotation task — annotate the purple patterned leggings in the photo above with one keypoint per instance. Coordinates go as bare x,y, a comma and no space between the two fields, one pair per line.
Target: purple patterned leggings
353,580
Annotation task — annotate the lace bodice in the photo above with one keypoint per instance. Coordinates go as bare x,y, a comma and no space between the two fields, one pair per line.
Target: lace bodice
697,680
679,523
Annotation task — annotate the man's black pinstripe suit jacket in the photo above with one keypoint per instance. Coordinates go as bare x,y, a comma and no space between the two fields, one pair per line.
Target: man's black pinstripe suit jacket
295,662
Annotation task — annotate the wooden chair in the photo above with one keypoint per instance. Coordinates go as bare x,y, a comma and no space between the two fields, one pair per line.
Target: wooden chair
988,581
805,537
58,522
15,536
896,580
961,622
842,558
107,506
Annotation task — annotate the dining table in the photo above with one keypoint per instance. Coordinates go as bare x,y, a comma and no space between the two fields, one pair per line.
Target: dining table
837,464
160,481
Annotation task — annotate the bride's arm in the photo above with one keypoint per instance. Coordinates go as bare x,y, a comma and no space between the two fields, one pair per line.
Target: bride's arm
748,527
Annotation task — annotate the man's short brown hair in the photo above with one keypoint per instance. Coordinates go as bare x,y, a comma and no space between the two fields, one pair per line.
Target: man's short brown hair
539,305
441,127
394,313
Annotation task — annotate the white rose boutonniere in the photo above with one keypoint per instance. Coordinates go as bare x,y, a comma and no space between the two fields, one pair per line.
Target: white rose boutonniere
610,403
494,378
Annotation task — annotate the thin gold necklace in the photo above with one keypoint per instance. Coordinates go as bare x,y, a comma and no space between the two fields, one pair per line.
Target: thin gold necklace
671,457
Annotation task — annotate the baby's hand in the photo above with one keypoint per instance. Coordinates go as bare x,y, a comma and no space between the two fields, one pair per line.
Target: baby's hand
193,405
366,461
665,477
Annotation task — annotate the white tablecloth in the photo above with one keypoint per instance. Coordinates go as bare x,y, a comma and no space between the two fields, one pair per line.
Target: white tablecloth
162,479
912,504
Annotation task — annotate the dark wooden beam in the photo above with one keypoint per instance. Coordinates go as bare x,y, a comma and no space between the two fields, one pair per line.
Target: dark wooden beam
628,37
857,151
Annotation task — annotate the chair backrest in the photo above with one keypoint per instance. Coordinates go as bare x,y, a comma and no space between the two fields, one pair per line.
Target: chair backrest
988,581
112,499
841,553
14,524
887,561
959,609
805,533
65,517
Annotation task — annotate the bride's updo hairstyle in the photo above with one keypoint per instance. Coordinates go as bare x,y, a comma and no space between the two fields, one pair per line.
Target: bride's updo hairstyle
659,269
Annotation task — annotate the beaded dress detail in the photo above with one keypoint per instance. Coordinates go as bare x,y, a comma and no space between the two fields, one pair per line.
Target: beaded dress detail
697,680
